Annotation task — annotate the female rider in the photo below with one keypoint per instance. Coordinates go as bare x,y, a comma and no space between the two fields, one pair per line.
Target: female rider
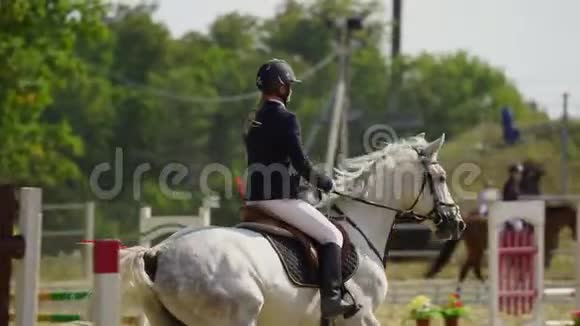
274,146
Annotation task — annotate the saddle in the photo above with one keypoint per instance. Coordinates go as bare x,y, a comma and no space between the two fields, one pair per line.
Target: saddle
297,251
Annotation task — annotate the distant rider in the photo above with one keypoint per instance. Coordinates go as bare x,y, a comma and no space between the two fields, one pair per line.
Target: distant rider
511,192
511,189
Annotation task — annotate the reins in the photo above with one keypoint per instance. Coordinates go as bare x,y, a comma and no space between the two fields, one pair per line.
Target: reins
400,213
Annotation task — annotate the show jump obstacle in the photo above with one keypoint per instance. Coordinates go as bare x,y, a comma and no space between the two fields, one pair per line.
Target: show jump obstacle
152,227
106,308
516,262
25,207
516,259
87,232
22,206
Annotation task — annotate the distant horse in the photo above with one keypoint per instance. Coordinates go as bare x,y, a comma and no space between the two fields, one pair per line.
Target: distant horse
531,175
475,235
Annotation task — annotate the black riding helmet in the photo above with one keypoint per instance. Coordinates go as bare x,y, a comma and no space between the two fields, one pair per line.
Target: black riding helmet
274,74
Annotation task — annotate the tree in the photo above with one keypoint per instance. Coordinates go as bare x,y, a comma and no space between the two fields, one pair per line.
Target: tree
458,91
80,80
37,59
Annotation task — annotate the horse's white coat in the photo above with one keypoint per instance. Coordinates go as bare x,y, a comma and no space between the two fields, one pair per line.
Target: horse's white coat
226,276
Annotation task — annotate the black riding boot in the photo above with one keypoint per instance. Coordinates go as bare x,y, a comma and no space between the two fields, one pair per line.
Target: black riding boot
331,302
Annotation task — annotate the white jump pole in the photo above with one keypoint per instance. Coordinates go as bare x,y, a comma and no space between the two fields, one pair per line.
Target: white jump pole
89,235
577,256
151,227
533,212
144,217
106,308
26,270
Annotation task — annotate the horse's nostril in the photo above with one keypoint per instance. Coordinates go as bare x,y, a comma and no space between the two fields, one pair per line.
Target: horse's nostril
462,225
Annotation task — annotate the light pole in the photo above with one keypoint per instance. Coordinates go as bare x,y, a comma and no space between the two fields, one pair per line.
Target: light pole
396,72
564,137
338,133
397,24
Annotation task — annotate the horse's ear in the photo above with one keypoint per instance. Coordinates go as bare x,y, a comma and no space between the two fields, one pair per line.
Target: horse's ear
433,148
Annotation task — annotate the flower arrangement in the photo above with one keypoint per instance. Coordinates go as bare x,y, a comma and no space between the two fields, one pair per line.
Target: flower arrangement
421,310
454,307
576,317
453,310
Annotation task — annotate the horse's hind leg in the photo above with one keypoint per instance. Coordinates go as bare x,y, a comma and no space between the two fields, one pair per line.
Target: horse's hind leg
464,270
467,265
477,270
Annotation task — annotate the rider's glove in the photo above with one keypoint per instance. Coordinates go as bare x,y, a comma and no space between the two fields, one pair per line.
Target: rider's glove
325,184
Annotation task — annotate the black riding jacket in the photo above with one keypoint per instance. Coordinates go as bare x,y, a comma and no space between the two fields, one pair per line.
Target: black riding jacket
511,190
273,146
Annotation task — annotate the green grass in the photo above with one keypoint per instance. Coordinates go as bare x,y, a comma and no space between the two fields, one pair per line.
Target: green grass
61,268
494,158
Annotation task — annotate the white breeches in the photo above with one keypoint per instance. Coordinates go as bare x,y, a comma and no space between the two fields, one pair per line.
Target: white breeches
483,210
302,216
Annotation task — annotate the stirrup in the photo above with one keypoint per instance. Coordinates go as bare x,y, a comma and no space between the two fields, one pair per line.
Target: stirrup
347,310
353,310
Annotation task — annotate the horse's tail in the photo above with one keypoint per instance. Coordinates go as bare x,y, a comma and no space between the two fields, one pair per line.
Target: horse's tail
443,258
138,267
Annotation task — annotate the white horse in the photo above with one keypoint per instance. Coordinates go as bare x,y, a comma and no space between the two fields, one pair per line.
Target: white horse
231,276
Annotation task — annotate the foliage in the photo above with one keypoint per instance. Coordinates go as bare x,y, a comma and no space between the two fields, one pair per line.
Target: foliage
461,89
420,308
37,60
454,307
79,80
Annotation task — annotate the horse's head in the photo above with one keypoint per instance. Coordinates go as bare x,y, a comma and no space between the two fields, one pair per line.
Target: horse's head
407,176
429,197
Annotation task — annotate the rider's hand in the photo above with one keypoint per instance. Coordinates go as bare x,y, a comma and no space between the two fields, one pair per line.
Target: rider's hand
326,184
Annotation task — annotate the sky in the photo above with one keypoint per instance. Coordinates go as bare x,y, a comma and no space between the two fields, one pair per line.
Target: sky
536,42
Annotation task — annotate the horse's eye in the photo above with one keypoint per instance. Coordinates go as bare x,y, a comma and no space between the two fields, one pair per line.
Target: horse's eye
442,179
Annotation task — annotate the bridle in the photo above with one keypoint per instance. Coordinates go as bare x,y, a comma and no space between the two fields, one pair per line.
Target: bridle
409,213
437,215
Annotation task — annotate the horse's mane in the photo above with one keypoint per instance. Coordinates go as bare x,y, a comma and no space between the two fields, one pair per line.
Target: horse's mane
352,174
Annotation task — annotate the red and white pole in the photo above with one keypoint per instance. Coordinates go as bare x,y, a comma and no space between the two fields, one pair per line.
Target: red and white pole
106,308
